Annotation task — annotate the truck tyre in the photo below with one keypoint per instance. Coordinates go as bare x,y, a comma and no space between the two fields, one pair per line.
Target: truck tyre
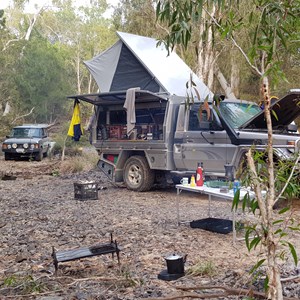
7,156
137,174
39,156
45,154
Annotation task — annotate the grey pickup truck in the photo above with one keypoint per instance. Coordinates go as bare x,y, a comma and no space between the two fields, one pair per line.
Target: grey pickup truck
157,136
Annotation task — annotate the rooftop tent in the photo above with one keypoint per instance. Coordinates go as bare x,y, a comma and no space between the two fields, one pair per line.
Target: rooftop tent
136,61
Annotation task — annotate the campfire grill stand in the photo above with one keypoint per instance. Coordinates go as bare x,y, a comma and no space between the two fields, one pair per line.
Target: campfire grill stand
74,254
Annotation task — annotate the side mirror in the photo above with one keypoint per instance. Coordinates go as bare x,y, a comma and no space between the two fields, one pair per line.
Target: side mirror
292,127
7,136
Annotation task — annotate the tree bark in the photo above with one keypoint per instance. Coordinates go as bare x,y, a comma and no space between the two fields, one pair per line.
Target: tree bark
275,287
32,23
224,84
206,54
78,71
235,74
6,109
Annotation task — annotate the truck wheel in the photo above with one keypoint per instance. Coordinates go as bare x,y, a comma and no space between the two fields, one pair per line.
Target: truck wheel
7,156
39,156
137,174
45,154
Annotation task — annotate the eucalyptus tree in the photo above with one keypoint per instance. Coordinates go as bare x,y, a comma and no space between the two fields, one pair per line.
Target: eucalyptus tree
41,82
275,22
83,30
137,17
72,33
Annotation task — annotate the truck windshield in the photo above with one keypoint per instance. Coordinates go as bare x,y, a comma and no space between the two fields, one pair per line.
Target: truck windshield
26,132
238,113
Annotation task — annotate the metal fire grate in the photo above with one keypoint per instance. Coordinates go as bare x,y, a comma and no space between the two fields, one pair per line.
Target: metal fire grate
74,254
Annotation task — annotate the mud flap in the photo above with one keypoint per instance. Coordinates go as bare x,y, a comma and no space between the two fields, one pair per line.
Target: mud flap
107,167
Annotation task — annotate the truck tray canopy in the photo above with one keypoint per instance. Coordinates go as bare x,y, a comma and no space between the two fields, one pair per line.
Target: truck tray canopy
118,98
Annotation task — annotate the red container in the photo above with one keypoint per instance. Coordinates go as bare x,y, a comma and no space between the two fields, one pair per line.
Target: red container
110,157
199,175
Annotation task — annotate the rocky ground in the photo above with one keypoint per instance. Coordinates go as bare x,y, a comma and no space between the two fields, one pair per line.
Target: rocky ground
38,211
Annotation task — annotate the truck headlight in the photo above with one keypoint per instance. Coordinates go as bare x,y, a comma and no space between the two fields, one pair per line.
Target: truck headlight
297,146
6,146
294,145
14,145
25,146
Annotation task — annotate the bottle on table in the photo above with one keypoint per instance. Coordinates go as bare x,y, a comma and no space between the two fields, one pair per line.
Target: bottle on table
236,186
199,175
193,182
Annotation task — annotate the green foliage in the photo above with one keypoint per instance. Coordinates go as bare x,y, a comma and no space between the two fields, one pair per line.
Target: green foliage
136,16
282,169
55,173
25,284
273,33
282,224
2,19
10,280
41,80
283,172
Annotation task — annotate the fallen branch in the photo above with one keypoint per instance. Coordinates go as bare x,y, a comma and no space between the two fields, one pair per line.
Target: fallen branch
229,291
34,294
96,278
193,296
297,277
226,292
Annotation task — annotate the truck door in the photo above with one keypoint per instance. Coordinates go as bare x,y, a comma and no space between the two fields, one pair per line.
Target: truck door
203,139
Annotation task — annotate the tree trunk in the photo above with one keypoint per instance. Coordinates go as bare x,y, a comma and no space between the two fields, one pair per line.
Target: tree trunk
90,84
275,287
208,68
32,23
206,54
224,84
235,74
6,109
200,57
78,71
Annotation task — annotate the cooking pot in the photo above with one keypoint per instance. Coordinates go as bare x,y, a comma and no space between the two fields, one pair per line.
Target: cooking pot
175,263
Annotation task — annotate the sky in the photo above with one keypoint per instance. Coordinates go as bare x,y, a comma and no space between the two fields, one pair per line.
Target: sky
30,7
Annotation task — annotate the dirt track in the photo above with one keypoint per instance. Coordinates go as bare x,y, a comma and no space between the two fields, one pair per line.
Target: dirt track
38,211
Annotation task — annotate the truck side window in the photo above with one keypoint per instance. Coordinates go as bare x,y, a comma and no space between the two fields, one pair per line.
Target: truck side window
201,121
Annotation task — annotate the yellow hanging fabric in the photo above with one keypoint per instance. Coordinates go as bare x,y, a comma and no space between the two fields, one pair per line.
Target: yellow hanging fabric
75,129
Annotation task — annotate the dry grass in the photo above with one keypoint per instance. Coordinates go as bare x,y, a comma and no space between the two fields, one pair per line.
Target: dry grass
79,163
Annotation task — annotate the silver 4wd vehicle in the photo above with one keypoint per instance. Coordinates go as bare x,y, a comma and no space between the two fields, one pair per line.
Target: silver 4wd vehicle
161,135
30,140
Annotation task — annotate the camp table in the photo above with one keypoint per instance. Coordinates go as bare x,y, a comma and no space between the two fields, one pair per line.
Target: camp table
211,192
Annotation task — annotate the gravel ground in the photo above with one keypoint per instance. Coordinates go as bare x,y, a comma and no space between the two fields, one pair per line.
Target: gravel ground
38,211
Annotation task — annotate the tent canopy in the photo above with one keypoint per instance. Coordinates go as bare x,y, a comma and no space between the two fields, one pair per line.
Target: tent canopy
136,61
